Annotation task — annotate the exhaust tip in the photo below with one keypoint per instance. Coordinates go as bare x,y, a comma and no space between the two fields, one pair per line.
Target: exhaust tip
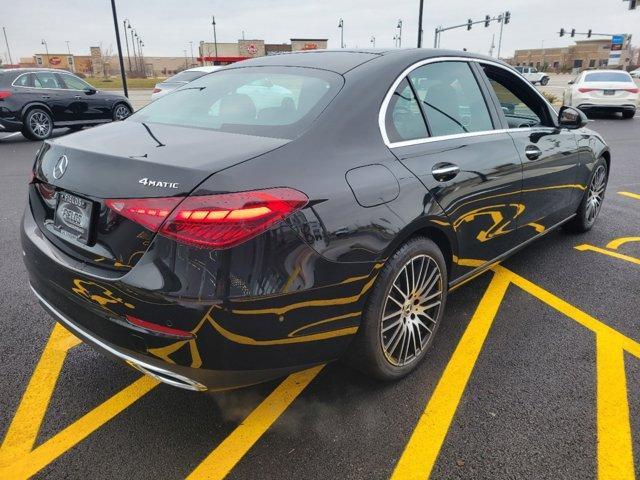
165,376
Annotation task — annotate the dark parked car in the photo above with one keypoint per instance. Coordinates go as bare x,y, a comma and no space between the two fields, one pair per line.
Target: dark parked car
35,101
245,243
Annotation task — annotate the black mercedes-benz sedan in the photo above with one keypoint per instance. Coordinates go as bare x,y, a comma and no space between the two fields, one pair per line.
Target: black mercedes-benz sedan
223,236
37,100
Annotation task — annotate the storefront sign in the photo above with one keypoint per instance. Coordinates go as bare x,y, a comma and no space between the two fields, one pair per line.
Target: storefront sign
55,60
617,41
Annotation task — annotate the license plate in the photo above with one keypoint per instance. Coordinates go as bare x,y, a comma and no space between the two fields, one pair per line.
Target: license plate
73,217
609,92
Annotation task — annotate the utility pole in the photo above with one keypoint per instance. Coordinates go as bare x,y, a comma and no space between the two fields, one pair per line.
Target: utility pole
420,24
493,45
341,27
122,72
126,39
191,46
186,65
400,33
215,39
504,19
73,64
7,43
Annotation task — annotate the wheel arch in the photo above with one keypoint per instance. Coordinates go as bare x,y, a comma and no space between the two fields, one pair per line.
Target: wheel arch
33,105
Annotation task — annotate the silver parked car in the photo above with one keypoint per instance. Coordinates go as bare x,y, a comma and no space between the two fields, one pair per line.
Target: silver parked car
180,79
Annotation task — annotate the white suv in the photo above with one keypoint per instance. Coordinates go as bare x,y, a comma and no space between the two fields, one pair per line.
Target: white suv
533,75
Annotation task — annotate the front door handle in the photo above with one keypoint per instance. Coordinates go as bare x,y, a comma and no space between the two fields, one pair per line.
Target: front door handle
45,96
77,97
443,172
532,152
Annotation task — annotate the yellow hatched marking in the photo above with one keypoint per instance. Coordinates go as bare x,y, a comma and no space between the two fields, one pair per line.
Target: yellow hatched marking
615,448
615,455
226,455
421,452
630,195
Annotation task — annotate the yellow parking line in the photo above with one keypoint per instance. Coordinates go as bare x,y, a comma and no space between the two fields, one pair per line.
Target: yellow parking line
26,423
226,455
46,453
620,256
615,449
630,195
618,242
424,445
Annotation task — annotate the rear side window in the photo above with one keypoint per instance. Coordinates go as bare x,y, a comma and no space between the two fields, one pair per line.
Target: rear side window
451,98
608,77
278,102
404,119
24,80
46,80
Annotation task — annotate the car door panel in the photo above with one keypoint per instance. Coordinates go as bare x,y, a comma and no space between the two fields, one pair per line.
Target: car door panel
483,201
53,95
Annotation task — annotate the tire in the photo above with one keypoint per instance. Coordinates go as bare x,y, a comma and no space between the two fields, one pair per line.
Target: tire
628,114
120,112
37,124
384,354
544,81
593,197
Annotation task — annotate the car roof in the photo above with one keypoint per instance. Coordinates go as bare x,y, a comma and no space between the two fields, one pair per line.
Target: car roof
343,60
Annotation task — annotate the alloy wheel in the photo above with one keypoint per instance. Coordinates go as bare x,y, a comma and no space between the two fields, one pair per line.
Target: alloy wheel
596,193
411,310
121,112
40,124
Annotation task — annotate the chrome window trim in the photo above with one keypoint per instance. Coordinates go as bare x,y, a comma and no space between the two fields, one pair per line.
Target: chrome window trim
387,99
13,84
45,88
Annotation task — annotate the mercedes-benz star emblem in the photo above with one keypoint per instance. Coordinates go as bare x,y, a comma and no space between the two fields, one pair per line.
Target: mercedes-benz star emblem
60,167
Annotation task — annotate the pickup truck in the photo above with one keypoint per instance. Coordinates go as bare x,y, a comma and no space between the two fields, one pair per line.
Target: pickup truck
533,75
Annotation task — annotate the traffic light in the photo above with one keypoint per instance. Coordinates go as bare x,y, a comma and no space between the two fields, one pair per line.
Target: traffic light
507,17
469,24
562,32
632,4
487,20
589,34
573,32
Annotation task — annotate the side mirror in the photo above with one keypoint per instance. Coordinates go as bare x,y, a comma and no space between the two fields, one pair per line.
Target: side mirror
90,91
572,118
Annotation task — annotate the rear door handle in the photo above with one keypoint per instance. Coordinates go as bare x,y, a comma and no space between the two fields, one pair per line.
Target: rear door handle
77,97
532,152
46,96
443,172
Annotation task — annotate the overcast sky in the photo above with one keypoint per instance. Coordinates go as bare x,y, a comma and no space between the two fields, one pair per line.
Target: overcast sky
167,26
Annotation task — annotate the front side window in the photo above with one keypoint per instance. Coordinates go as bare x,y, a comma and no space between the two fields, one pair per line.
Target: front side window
46,80
520,105
74,83
278,102
404,119
451,98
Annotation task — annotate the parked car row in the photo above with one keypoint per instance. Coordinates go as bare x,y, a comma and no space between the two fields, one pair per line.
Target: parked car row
35,101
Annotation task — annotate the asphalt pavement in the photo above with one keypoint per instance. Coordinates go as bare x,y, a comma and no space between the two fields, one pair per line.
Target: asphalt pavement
535,373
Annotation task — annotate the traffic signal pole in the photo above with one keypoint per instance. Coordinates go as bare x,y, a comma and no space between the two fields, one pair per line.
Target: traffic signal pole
502,18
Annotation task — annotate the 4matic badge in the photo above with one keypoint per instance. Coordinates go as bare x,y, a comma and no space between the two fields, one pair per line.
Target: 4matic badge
157,183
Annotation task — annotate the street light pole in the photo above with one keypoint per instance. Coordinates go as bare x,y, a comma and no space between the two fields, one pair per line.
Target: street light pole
133,47
7,43
215,39
373,41
126,39
400,33
46,48
73,65
341,27
122,72
142,66
191,46
420,24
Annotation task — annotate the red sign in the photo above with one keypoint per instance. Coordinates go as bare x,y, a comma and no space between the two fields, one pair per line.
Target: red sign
310,46
252,49
55,60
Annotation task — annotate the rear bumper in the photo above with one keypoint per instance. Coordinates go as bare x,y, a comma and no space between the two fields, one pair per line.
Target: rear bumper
607,107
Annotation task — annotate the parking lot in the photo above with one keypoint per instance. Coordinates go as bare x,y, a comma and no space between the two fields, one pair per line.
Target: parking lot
535,373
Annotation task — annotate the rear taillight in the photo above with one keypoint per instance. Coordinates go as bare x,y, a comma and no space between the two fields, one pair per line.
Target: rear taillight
213,221
5,94
632,90
156,90
585,89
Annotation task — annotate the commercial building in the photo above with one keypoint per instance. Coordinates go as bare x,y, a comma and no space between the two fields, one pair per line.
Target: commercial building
584,54
210,53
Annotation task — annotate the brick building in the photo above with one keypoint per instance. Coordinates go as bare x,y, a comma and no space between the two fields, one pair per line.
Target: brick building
233,52
583,55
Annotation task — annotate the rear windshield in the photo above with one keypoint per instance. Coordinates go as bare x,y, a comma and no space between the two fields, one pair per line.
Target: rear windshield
278,102
185,76
607,77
